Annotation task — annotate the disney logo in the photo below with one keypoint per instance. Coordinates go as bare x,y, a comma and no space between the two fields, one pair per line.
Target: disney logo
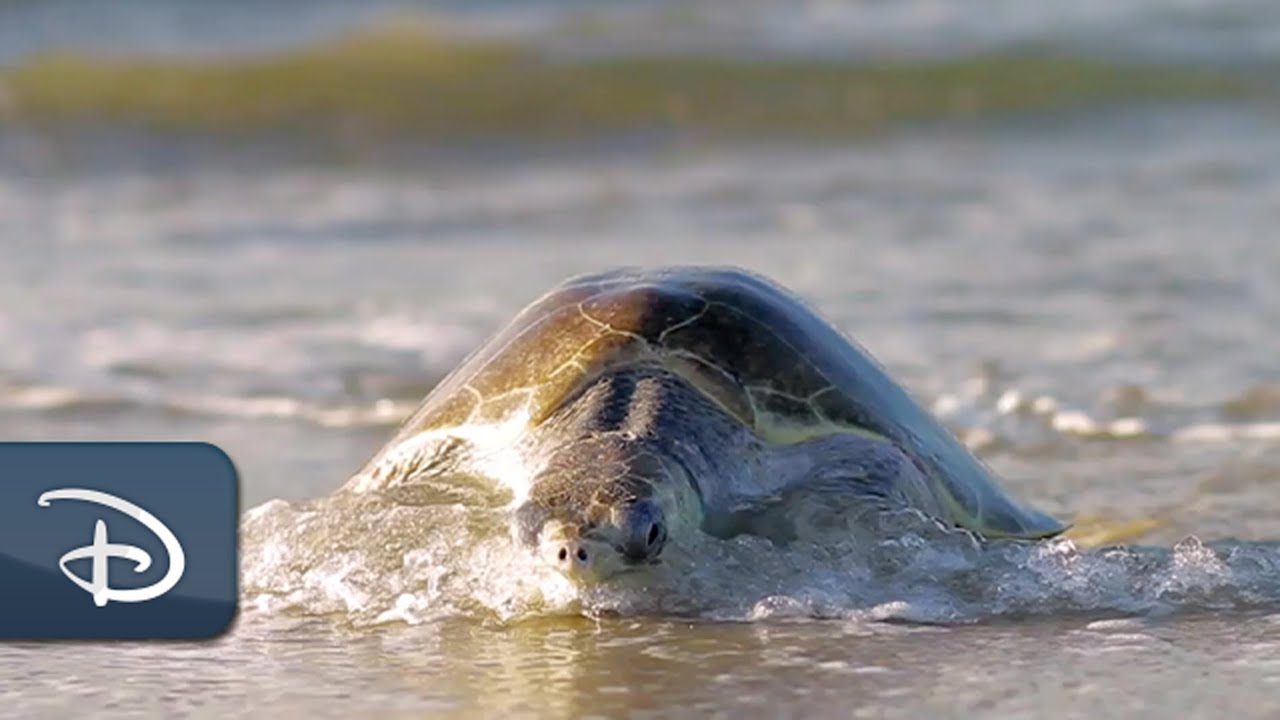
101,550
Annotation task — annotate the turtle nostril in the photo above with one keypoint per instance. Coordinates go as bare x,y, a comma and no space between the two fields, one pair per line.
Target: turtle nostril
572,550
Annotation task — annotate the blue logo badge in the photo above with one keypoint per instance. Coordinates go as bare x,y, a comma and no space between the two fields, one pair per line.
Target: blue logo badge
117,540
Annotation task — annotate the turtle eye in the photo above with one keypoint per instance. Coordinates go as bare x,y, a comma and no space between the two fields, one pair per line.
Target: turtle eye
644,531
656,533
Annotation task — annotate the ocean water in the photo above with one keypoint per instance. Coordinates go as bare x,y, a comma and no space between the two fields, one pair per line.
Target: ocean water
1087,295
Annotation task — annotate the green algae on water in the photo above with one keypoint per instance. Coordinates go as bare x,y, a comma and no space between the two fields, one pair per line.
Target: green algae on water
413,84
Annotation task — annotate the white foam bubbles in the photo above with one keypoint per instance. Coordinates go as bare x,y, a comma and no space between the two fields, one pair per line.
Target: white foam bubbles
371,561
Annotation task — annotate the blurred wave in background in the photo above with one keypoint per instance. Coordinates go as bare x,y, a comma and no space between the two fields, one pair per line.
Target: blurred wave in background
159,85
441,73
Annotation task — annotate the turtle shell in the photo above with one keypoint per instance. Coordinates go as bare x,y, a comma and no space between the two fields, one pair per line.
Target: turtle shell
745,342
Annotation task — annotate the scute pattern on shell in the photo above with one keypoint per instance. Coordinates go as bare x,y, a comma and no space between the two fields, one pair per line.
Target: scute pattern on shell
739,338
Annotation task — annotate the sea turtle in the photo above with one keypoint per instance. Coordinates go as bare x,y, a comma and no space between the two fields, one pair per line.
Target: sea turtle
626,407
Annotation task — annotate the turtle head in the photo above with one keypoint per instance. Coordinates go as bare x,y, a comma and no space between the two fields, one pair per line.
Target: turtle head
596,515
598,546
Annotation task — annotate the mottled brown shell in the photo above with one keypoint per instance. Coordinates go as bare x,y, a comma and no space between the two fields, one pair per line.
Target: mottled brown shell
753,347
741,339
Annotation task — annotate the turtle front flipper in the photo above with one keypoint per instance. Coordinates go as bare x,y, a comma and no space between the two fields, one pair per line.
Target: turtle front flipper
845,475
410,460
859,471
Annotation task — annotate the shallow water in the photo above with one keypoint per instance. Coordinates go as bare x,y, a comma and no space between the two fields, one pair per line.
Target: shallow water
1068,667
1087,298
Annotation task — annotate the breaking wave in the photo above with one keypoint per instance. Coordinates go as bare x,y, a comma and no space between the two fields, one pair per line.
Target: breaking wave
417,83
445,552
